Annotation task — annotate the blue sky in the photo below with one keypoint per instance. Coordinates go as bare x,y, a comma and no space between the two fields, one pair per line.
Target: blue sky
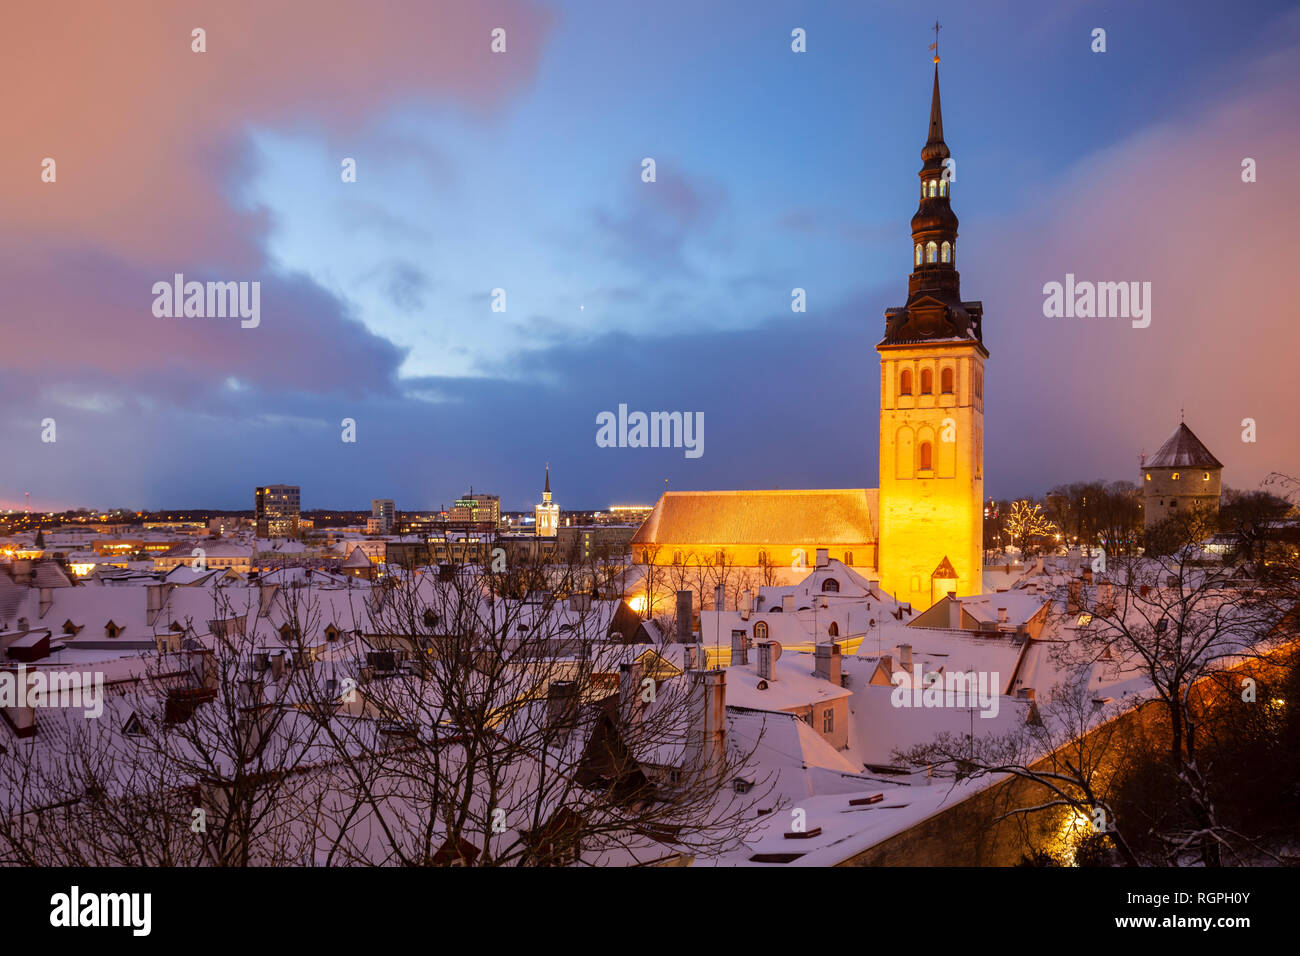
775,170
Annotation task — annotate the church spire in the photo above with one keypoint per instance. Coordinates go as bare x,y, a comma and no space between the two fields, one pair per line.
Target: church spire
935,147
547,489
934,309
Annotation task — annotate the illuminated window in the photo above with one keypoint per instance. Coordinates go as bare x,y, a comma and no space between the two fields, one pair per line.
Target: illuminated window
943,187
1148,476
918,254
927,382
1175,476
933,188
1206,477
945,381
925,456
905,382
931,251
946,252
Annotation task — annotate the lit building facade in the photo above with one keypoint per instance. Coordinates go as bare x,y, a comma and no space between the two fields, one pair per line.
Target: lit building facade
277,511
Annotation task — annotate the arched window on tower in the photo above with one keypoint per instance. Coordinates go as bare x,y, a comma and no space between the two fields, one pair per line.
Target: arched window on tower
931,251
927,382
905,382
946,254
943,187
945,381
918,254
925,457
934,189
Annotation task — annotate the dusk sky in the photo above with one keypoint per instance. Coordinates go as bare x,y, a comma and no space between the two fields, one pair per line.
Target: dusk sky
478,170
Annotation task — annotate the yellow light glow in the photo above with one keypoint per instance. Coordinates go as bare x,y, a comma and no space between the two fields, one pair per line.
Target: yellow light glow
637,602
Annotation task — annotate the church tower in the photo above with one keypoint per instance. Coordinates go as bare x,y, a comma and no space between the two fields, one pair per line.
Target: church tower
932,406
547,513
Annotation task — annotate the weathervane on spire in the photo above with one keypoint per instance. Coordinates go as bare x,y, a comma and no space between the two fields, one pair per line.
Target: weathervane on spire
935,45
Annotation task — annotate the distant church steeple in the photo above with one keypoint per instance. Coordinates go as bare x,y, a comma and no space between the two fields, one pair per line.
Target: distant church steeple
547,514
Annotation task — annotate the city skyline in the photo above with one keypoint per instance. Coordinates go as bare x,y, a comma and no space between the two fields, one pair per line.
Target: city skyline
775,171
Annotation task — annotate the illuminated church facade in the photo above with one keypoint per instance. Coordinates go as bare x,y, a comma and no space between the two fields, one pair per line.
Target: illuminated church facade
921,530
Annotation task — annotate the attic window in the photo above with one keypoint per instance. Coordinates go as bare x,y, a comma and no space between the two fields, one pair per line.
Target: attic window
134,727
112,630
1206,477
331,633
831,585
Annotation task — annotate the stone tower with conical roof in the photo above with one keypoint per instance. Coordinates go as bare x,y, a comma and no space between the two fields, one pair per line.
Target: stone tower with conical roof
932,405
1182,476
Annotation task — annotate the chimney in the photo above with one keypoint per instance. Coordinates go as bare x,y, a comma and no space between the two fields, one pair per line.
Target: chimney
787,603
1002,615
47,598
1074,601
203,666
706,748
954,613
823,557
905,656
562,706
768,654
153,603
630,704
1105,598
746,604
684,635
739,647
691,656
828,662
